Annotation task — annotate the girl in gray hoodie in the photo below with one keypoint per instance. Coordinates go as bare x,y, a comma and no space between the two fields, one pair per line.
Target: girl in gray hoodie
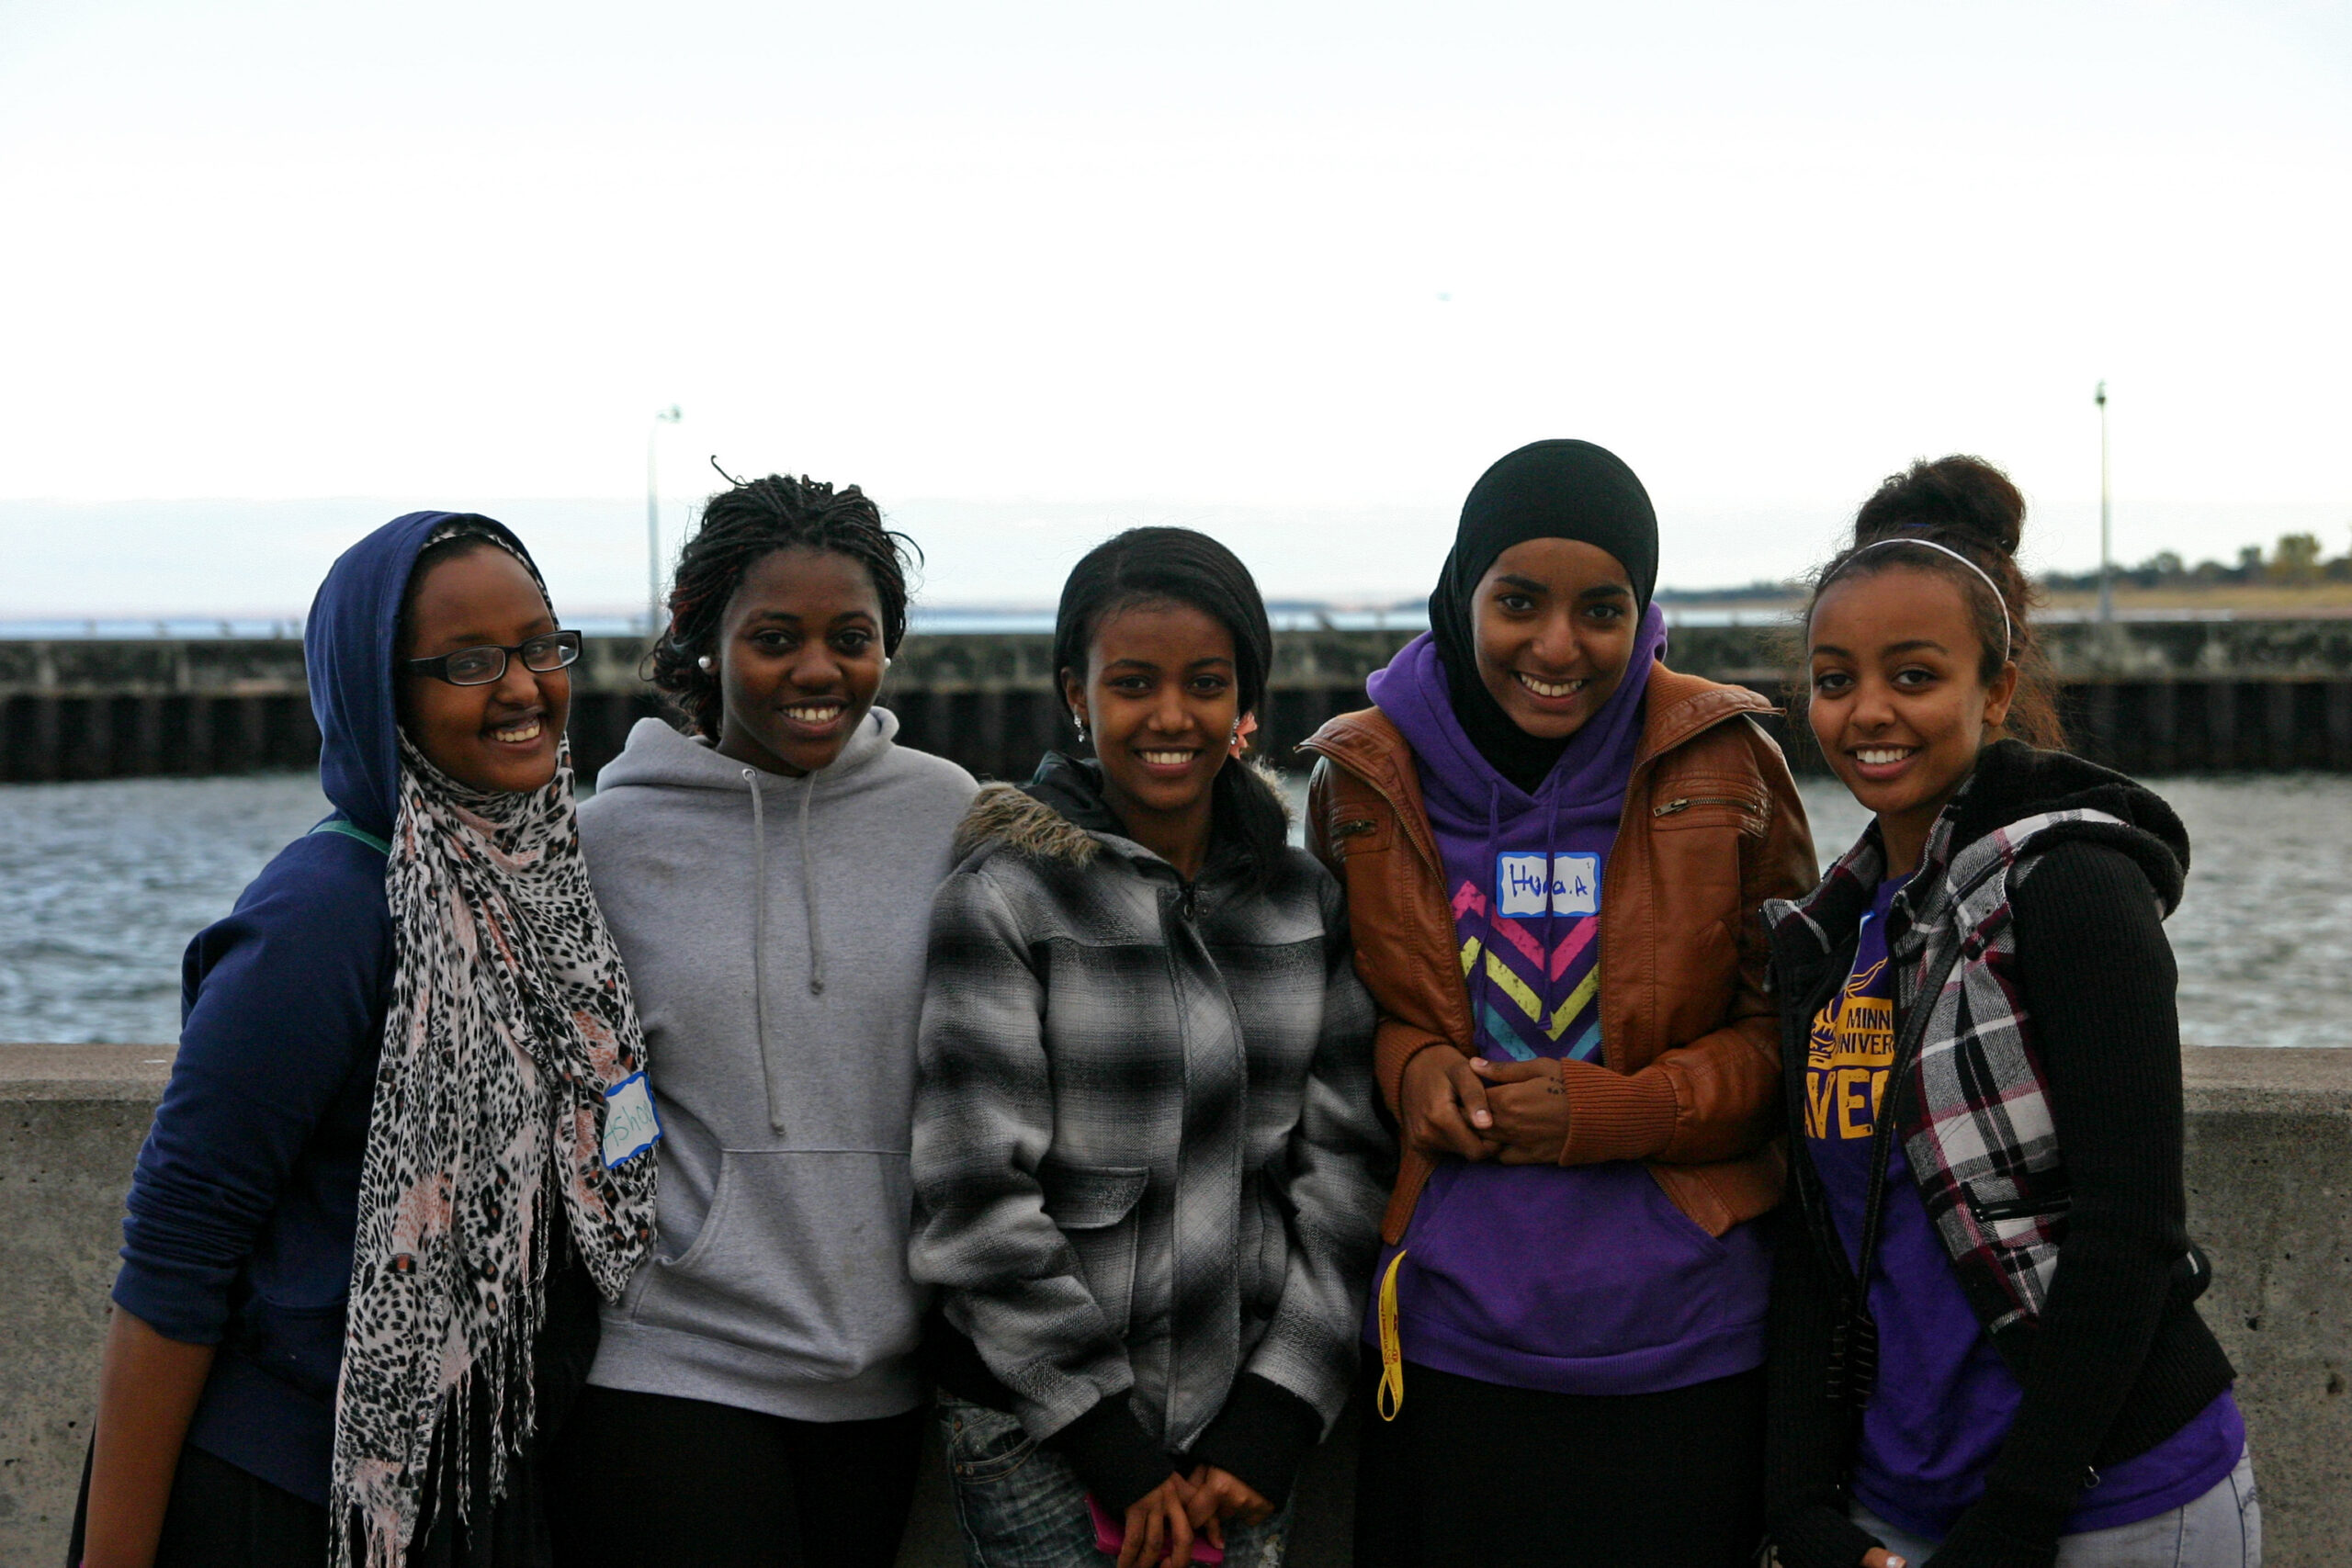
769,881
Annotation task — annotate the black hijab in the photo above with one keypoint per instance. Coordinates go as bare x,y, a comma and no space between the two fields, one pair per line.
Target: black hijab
1549,490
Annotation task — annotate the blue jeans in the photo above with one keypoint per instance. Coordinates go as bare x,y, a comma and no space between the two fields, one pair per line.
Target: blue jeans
2221,1529
1020,1505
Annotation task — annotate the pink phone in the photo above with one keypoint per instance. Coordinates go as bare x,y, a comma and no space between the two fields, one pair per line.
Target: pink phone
1109,1534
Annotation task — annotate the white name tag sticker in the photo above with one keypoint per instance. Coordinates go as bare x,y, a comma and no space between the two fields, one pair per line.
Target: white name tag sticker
1576,885
1519,884
1523,888
631,1125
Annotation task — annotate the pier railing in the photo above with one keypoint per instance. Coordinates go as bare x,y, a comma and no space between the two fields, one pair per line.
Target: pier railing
2269,1176
2212,694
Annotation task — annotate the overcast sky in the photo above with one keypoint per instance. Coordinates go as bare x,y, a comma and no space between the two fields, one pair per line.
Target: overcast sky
1029,272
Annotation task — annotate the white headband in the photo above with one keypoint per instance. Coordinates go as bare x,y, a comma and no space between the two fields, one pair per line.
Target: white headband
2008,632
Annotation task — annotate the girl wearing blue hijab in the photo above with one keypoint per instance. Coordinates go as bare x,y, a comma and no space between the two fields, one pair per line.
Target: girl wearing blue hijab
404,1136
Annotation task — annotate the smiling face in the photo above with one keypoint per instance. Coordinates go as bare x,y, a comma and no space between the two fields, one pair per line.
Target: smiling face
1159,699
1554,621
799,659
503,736
1899,702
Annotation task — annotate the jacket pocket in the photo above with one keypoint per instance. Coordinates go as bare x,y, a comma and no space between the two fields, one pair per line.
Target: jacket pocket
2026,1206
2027,1225
1094,1209
1699,807
1265,1242
300,1345
1357,826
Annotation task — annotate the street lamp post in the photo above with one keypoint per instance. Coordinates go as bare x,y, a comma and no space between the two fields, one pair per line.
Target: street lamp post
653,520
2106,517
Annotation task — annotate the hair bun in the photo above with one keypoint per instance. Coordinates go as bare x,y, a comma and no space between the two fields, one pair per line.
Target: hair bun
1959,498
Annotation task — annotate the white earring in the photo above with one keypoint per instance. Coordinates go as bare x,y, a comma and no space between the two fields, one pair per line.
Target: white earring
1078,719
704,662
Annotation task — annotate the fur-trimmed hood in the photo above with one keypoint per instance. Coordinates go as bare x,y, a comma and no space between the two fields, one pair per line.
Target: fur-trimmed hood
1005,816
1061,820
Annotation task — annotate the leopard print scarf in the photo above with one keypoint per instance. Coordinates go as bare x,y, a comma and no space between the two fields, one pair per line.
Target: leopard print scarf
510,1019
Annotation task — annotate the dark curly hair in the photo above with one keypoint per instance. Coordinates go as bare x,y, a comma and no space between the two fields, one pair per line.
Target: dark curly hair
1971,508
742,527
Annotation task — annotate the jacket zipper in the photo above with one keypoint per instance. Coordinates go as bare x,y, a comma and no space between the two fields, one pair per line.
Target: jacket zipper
1684,803
2019,1208
1428,852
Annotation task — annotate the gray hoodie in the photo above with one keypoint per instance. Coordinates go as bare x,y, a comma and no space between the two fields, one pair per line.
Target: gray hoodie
773,930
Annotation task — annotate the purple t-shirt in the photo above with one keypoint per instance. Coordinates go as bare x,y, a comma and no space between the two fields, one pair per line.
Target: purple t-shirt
1945,1398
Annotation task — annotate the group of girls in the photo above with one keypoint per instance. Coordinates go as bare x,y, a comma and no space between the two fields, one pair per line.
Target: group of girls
1722,1202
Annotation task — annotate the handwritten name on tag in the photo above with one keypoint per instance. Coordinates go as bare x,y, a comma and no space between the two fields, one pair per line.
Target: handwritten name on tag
631,1125
1573,887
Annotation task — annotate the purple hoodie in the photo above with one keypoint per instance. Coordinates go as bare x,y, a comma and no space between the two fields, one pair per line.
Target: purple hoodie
1572,1280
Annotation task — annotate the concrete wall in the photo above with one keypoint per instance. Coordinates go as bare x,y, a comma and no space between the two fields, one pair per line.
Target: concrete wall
2270,1193
71,1120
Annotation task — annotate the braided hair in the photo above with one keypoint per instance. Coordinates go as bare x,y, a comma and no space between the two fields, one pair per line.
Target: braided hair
740,528
1965,505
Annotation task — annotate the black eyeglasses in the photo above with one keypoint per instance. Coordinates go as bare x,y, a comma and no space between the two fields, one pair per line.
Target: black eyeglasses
480,666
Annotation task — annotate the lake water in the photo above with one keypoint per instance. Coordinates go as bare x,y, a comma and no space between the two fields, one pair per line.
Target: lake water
101,885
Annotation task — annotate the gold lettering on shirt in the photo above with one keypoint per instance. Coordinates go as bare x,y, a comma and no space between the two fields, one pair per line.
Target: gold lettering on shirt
1846,1060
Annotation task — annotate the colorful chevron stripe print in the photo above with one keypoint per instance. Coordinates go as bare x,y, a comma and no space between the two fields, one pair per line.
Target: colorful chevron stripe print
1517,1019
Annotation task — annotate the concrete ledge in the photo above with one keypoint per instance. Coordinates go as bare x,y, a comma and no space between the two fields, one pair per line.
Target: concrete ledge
94,1073
2269,1174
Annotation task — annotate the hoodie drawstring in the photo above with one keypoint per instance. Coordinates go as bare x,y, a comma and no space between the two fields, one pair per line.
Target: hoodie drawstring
808,895
760,923
760,947
1551,915
1494,912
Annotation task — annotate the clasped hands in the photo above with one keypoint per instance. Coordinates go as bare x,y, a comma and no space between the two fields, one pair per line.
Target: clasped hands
1513,1112
1162,1523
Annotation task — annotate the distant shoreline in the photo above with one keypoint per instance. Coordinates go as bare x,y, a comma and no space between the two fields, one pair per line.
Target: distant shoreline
2323,601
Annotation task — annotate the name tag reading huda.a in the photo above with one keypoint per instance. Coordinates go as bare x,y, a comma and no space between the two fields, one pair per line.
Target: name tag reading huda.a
1526,885
631,1125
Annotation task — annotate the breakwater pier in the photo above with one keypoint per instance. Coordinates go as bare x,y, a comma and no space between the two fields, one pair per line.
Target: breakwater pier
2201,694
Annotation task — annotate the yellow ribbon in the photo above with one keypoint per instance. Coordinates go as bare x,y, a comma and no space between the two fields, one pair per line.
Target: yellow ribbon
1392,1355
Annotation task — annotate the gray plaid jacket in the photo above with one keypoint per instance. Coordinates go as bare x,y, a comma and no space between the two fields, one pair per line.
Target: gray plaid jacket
1146,1157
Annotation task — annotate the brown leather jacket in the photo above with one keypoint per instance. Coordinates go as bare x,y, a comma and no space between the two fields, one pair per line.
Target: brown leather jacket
1712,828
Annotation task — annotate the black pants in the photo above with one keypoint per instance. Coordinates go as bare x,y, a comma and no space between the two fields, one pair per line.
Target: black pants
219,1516
222,1516
1473,1473
647,1478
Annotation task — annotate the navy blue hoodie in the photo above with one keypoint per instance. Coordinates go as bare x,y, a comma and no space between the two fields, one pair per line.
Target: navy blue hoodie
244,1202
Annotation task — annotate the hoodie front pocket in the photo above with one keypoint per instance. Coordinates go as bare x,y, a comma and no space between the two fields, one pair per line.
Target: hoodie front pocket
1094,1209
801,1259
